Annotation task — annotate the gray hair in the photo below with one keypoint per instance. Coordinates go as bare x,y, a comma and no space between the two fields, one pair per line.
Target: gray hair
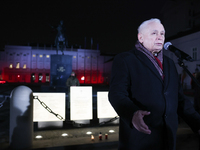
145,23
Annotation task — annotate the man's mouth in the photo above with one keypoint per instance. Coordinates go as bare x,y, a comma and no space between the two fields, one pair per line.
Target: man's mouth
159,44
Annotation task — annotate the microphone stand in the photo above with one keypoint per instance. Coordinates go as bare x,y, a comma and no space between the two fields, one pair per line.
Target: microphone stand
181,64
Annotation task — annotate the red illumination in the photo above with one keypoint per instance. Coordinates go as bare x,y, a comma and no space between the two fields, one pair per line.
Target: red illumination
2,82
84,77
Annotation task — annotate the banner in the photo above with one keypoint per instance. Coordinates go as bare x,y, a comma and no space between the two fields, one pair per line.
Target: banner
55,101
104,108
81,102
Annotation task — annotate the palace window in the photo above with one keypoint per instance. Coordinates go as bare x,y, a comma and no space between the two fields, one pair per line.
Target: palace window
18,66
40,77
47,77
11,66
33,77
24,66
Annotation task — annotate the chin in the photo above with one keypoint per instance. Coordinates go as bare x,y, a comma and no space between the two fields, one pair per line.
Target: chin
156,51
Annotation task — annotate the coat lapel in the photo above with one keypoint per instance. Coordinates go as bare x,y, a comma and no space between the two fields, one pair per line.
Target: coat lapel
145,60
166,70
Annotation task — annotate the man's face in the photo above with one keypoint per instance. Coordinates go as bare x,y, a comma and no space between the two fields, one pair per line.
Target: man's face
72,74
152,37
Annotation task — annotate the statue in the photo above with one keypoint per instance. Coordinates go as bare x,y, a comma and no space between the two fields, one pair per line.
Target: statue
61,38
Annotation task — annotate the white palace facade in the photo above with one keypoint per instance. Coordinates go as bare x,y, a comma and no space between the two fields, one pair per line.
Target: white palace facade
29,64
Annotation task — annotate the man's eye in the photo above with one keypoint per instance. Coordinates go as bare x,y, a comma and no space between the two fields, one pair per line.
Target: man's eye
162,33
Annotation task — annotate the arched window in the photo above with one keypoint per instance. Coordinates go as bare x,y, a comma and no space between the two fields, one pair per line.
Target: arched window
33,77
40,77
47,77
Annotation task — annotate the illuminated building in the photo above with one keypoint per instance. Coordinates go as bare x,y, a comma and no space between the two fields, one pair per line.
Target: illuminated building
27,64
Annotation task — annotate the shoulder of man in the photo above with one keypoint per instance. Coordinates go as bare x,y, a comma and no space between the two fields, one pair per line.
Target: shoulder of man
127,54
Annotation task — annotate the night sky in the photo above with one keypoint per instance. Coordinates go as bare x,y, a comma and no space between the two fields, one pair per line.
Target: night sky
111,23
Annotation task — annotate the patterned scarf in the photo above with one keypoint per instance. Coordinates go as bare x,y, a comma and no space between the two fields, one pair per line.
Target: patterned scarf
152,58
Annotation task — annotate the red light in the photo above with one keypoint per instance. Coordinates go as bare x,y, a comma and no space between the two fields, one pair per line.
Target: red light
2,82
82,78
18,75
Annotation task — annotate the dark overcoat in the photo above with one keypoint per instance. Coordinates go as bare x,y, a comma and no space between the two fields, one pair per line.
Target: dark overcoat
137,85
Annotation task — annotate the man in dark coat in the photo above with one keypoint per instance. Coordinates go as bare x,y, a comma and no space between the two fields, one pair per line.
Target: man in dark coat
72,80
146,93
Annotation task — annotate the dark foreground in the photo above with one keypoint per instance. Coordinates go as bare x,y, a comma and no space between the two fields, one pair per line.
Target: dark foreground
77,139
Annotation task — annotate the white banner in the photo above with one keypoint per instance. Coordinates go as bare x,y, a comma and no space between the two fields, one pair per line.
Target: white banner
104,108
55,101
81,102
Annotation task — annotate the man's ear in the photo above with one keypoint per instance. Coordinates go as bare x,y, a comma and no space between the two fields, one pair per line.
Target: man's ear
140,37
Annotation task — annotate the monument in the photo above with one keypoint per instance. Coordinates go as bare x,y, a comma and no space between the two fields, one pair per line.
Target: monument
61,39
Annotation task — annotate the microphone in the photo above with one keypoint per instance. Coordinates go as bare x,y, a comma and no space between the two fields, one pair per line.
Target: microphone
180,54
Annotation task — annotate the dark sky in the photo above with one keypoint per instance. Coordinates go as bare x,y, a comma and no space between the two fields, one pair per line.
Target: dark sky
112,23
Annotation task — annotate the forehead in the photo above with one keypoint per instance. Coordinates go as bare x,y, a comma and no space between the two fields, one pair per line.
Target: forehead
154,26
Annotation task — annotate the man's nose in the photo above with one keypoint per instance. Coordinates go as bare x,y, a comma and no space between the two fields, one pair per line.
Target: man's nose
160,37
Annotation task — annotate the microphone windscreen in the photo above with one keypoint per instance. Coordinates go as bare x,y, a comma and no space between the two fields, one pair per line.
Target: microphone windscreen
166,45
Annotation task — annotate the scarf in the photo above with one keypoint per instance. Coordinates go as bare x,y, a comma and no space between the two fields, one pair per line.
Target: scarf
152,58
